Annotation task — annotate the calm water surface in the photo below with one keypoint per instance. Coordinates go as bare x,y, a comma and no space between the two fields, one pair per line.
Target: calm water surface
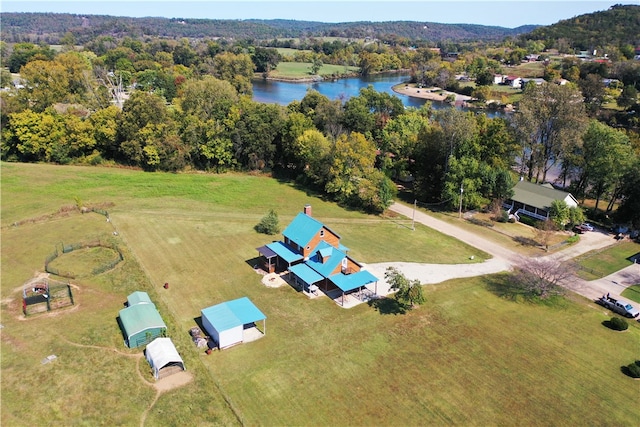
284,93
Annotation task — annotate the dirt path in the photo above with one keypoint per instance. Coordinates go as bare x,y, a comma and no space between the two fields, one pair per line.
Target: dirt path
169,383
503,259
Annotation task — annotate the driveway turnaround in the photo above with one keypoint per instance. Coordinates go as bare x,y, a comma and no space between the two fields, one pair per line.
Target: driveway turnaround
503,260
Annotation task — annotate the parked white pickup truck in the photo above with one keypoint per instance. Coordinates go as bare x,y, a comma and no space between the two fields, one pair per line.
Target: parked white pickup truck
618,305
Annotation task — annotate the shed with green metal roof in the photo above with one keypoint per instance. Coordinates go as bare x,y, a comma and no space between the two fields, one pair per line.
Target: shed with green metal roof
141,323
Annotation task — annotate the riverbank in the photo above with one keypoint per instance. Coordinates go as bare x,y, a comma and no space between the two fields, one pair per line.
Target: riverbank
321,77
430,93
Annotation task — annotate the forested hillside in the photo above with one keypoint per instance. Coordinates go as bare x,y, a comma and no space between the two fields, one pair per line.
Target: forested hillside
618,26
50,28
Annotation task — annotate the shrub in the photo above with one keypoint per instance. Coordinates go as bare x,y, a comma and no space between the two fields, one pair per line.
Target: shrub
634,369
269,224
618,324
528,220
573,239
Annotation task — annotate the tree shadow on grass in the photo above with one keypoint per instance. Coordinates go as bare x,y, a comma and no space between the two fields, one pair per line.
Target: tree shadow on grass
525,241
627,370
387,306
503,286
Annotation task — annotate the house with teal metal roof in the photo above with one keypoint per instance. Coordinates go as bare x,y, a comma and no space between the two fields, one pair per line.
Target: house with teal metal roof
315,258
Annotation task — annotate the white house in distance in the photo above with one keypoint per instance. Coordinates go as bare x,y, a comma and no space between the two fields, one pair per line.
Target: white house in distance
535,200
233,322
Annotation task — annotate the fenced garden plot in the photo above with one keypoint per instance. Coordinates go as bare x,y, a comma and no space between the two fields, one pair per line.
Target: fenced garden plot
45,295
91,258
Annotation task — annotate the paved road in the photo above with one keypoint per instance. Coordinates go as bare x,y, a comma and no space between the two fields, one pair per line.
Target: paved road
503,260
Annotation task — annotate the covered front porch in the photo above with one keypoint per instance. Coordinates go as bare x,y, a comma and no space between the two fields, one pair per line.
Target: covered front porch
517,208
277,256
353,288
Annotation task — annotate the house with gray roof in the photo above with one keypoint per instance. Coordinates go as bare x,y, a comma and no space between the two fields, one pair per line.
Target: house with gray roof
535,200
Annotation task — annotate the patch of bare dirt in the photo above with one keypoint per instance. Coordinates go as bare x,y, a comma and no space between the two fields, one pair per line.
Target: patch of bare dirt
173,381
273,280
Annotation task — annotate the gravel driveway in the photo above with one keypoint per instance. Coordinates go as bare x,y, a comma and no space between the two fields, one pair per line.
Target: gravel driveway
503,260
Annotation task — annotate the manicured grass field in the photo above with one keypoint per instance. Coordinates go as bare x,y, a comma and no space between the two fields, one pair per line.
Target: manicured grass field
468,356
301,70
632,293
595,265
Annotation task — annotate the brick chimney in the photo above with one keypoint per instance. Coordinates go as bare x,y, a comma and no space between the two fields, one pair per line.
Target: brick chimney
307,210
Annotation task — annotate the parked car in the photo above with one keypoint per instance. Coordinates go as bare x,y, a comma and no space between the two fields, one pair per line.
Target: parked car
580,229
618,305
588,226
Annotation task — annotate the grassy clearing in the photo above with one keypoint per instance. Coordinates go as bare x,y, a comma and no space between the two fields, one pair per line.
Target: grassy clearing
518,237
302,70
289,51
632,293
598,264
526,69
468,356
502,93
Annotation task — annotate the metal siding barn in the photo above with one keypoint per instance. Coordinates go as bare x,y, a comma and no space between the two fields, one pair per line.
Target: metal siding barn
141,323
225,322
223,326
163,358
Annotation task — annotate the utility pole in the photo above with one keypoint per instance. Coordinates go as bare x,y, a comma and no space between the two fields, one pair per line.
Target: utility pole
413,220
460,209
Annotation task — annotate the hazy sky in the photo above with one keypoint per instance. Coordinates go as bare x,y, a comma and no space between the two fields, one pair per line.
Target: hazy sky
504,13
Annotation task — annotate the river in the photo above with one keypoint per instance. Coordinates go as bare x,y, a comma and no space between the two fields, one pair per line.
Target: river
284,93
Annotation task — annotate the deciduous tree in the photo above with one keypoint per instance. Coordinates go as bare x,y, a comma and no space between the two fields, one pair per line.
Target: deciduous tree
548,119
541,278
409,293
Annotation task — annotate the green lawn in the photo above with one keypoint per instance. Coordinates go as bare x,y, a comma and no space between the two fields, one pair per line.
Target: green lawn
598,264
301,70
632,293
468,356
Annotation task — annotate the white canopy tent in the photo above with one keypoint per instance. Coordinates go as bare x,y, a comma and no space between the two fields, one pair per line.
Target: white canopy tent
163,358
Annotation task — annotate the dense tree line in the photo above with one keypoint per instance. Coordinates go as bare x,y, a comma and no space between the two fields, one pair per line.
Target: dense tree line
617,28
52,28
189,107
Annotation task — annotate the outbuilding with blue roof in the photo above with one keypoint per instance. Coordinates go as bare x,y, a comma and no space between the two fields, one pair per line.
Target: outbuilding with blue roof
233,322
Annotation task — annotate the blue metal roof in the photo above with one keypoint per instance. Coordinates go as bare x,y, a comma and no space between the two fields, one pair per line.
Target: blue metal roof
230,314
328,267
284,252
324,252
245,310
349,282
302,229
306,273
